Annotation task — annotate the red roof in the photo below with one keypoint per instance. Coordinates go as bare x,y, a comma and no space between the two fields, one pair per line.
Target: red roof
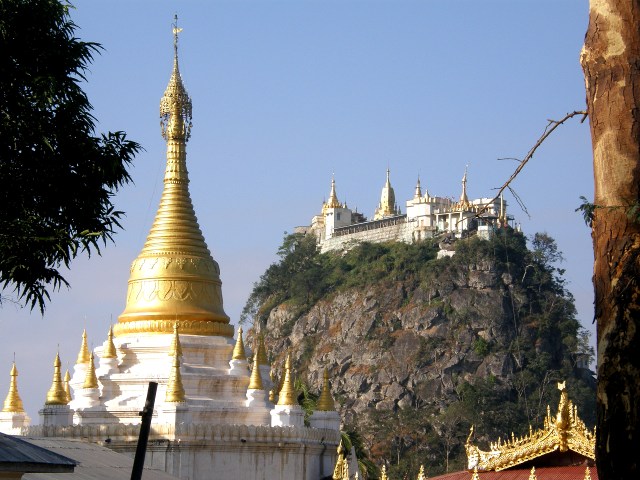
542,473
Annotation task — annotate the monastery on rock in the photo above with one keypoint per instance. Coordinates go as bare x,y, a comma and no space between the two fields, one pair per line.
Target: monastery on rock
337,227
212,412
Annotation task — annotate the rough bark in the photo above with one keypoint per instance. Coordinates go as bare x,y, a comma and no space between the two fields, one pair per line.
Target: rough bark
611,63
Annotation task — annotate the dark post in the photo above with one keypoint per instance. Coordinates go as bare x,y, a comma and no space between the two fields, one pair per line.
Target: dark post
145,425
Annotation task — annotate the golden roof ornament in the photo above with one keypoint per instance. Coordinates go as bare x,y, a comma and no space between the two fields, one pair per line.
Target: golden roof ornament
238,349
262,351
175,389
176,346
532,474
463,204
567,431
383,473
421,474
333,197
90,379
13,402
387,206
83,355
56,394
340,463
325,400
175,276
255,382
287,395
67,388
475,475
587,474
110,350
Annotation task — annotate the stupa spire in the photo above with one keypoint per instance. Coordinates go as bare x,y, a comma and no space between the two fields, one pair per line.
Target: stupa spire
175,389
83,354
387,206
13,402
67,389
287,395
90,379
418,192
56,394
262,351
333,197
464,199
175,278
110,349
238,350
176,346
325,401
255,382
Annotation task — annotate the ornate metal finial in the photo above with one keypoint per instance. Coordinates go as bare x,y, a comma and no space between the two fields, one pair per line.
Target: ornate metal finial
67,389
56,394
238,350
83,355
110,350
175,389
90,379
175,105
176,346
287,395
13,402
255,382
325,401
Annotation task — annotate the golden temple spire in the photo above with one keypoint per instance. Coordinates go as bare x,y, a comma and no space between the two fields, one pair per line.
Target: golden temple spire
383,473
56,394
532,474
13,402
255,382
67,389
238,350
175,277
175,389
274,389
340,463
110,349
587,474
83,355
464,199
325,400
387,206
287,395
421,474
418,192
176,346
333,198
262,351
475,475
90,379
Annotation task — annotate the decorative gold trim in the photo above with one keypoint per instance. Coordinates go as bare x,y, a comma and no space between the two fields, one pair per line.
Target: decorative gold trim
194,327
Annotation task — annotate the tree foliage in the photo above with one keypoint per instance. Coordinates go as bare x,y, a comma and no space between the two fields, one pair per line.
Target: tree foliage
58,177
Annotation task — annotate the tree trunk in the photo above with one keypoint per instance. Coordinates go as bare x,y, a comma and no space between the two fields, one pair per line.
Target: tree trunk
611,63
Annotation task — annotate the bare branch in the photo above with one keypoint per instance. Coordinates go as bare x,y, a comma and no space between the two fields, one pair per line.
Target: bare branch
551,126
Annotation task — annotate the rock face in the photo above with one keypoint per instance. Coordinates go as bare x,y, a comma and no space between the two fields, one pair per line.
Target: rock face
407,350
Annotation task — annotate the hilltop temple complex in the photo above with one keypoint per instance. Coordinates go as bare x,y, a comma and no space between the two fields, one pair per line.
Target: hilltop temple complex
337,227
214,409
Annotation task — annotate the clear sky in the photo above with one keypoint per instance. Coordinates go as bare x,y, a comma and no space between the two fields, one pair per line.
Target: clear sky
285,93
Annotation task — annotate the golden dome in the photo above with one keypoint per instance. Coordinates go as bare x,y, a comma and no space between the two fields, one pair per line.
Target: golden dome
255,383
110,349
175,278
56,394
13,402
90,379
287,395
238,350
325,401
175,389
83,354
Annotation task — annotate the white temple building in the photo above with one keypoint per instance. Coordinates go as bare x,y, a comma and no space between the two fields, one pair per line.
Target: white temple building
212,412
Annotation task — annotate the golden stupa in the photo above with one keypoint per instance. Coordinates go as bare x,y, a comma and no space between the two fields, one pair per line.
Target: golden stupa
175,279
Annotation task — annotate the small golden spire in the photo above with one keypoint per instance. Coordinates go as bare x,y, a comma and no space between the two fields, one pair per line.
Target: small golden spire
83,355
587,474
325,401
532,474
67,389
255,383
273,391
175,389
176,346
383,473
13,402
90,379
110,350
464,199
262,351
421,474
56,394
287,395
333,197
338,469
238,350
418,193
387,206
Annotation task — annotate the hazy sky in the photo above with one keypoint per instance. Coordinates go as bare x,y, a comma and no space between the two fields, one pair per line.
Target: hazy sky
287,92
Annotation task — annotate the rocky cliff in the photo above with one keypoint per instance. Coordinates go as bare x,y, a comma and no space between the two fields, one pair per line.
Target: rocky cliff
420,348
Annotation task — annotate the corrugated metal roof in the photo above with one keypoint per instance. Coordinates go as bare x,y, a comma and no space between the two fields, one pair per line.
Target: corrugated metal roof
95,462
18,455
542,473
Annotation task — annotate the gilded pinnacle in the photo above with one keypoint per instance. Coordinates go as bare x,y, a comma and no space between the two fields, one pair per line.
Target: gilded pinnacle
421,474
13,402
325,401
333,197
255,382
238,350
532,474
383,473
83,355
287,395
175,389
90,379
110,349
67,389
176,346
262,351
56,394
